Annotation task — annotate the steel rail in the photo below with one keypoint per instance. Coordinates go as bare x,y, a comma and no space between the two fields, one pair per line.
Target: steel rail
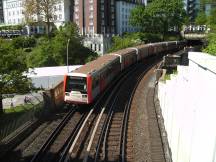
102,112
107,122
123,135
53,136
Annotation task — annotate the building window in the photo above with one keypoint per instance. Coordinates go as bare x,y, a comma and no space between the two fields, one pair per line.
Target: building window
76,2
99,47
60,16
60,8
95,47
55,8
55,17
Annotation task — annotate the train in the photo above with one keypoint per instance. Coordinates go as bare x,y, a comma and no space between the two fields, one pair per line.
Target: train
83,85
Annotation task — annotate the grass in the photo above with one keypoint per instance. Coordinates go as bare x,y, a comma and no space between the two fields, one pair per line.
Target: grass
18,109
167,77
13,114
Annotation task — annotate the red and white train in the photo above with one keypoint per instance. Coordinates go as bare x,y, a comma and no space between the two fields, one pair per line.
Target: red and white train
84,84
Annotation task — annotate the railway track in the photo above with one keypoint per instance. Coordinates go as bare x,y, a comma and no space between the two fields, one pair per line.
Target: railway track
106,137
81,145
51,150
103,133
30,145
115,143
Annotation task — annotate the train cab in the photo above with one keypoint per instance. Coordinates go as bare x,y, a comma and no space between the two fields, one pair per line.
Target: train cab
84,84
77,88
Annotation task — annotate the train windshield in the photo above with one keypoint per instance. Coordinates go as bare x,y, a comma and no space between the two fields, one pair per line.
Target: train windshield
76,84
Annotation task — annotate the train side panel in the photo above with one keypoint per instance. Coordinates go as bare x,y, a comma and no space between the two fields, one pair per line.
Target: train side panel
151,49
129,59
102,78
127,56
142,51
87,82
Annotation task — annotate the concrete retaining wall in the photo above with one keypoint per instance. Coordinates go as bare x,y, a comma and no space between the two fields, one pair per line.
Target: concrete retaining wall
188,104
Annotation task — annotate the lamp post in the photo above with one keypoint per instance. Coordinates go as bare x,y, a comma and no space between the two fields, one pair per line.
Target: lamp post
68,41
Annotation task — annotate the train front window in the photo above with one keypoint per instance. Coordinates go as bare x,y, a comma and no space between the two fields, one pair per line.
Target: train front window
76,84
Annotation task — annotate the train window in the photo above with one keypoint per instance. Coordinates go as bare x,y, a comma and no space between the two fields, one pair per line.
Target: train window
76,84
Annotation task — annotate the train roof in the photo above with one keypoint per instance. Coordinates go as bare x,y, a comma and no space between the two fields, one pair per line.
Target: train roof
141,46
124,51
95,65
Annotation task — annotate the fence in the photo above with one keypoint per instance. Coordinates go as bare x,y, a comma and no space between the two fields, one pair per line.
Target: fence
188,106
13,121
52,99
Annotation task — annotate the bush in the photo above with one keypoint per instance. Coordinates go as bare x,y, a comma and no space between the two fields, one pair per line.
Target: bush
23,42
211,48
150,37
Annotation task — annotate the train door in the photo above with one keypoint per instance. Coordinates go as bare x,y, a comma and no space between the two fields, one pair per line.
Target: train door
95,86
102,80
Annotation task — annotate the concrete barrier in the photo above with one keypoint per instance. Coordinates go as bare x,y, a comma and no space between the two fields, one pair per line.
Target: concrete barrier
188,106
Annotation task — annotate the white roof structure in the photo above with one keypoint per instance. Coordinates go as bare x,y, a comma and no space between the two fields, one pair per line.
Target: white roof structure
51,71
49,77
203,59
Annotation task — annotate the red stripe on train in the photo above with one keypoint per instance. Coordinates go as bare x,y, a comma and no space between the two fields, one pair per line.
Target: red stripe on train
65,80
89,88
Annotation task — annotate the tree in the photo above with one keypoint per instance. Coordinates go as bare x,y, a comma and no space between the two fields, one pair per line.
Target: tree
37,9
212,17
12,66
30,11
159,16
201,18
53,51
211,48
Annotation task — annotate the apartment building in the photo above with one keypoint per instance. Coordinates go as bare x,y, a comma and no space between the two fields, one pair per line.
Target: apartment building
207,6
1,12
13,12
95,16
192,8
123,10
96,21
99,20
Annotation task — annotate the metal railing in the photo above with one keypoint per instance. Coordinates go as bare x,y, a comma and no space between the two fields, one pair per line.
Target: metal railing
13,122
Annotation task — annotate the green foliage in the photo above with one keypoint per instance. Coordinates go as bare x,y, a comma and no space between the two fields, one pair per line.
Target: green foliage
19,109
150,37
11,27
53,51
159,16
201,19
212,17
127,40
23,42
12,66
211,48
133,39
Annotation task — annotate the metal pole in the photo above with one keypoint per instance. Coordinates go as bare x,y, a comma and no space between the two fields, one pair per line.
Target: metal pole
67,54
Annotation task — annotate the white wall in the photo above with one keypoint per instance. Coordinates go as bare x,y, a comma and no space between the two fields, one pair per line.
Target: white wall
13,12
99,43
188,103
